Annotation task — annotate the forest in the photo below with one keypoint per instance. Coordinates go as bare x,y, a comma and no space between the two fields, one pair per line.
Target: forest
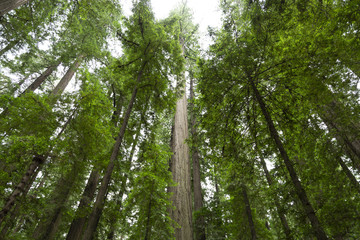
123,127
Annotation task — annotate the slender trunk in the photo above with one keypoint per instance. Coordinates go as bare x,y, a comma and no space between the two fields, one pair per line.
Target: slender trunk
37,162
10,45
279,208
309,210
48,228
8,5
111,233
101,196
14,213
148,225
269,179
198,198
38,81
78,223
349,174
60,87
249,213
20,188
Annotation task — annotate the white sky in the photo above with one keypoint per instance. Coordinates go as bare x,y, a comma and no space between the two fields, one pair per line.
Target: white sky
206,13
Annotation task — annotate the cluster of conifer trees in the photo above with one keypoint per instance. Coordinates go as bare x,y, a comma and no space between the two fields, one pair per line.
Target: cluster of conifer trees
100,145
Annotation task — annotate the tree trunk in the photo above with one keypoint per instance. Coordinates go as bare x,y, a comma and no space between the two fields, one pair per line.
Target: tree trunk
349,174
309,210
10,45
60,87
20,188
48,228
38,81
344,134
279,208
78,223
181,171
8,5
249,213
148,225
101,196
36,162
198,198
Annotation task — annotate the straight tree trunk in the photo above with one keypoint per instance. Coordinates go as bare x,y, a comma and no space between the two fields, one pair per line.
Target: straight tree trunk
346,132
248,212
8,5
279,208
270,181
48,228
38,81
78,223
60,87
349,174
10,45
20,189
101,196
308,209
181,172
198,198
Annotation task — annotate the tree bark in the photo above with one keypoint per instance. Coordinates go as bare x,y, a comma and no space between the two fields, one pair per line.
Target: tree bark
48,228
300,191
10,45
101,196
8,5
198,198
248,212
181,172
78,223
38,81
20,188
348,173
37,161
60,87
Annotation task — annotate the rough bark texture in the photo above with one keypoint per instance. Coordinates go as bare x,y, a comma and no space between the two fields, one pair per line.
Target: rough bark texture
300,191
248,212
20,188
60,87
38,81
198,198
180,168
8,5
101,196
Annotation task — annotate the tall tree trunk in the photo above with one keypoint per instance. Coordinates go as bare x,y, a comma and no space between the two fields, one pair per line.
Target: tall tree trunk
148,225
20,189
279,208
181,171
38,81
101,196
270,181
8,5
198,198
348,173
60,87
248,212
78,223
52,219
309,210
10,44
